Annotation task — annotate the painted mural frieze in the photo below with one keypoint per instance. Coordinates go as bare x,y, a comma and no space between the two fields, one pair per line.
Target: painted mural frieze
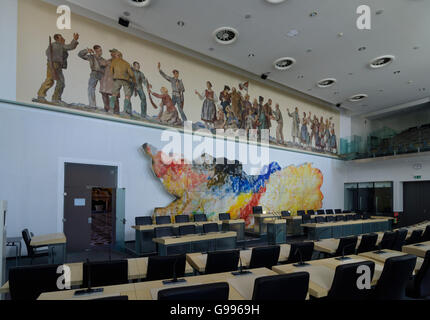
211,187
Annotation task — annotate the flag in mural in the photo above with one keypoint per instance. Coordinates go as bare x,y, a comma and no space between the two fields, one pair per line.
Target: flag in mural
214,188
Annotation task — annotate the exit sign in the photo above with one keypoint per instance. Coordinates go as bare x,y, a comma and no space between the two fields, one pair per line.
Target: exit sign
417,177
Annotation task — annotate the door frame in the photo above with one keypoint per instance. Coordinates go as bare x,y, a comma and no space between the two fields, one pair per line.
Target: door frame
60,178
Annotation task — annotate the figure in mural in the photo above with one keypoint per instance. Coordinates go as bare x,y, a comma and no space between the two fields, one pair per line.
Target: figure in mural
178,90
220,119
295,131
333,141
57,54
170,114
97,65
268,114
225,98
106,84
236,103
231,121
277,114
123,77
304,130
213,189
246,107
138,88
209,109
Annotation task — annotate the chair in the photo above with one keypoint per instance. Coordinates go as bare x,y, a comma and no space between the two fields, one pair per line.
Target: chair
210,227
143,221
306,218
285,213
394,277
367,243
200,217
329,211
346,246
182,218
105,273
165,267
348,211
320,219
27,283
356,216
301,212
320,211
283,287
336,211
257,210
224,216
415,237
161,232
330,218
264,257
32,251
344,285
426,234
189,229
163,220
340,218
310,212
349,217
387,240
218,291
400,240
419,286
222,261
300,251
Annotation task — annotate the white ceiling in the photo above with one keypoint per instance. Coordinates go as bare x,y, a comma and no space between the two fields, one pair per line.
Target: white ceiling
403,25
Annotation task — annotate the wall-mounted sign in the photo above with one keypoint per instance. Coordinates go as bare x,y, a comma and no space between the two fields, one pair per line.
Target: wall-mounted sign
79,202
417,177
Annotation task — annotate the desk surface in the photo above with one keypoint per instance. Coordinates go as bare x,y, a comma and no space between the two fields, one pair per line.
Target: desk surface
174,225
142,290
198,260
236,221
194,237
339,223
389,254
48,239
418,249
330,245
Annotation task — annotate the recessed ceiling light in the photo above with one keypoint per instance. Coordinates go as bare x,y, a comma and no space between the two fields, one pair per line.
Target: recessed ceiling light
126,13
275,1
226,35
358,97
396,72
381,90
309,50
325,83
293,33
380,11
416,47
350,73
313,14
381,61
248,16
284,63
340,34
211,49
410,82
139,3
181,23
362,48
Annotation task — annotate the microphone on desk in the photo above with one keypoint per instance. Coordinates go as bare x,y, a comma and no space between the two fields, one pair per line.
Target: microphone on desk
301,263
175,277
343,252
241,271
89,290
380,251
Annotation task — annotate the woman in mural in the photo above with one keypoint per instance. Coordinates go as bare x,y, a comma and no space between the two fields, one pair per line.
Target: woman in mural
170,115
225,98
220,119
209,109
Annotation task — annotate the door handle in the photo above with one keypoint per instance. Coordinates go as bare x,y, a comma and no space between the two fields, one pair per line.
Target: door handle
124,221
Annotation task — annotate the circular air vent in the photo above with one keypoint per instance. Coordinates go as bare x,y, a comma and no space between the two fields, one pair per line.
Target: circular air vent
284,63
139,3
382,61
226,35
325,83
358,97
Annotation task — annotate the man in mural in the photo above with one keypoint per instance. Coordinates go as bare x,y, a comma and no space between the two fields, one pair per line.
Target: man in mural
280,127
138,88
106,84
295,129
268,114
178,90
97,66
236,103
225,98
246,106
123,77
57,54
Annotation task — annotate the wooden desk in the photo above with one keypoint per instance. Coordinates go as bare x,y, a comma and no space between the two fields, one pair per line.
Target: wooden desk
111,291
330,245
260,221
389,254
322,273
418,249
237,225
145,290
195,242
198,260
56,243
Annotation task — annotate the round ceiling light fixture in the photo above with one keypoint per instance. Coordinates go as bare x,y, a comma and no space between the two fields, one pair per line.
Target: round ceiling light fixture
275,1
358,97
284,63
325,83
226,35
139,3
381,61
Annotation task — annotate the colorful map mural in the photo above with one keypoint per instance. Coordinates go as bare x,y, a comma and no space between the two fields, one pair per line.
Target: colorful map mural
218,188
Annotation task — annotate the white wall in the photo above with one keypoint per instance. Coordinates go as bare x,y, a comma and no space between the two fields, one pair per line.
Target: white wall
8,39
35,143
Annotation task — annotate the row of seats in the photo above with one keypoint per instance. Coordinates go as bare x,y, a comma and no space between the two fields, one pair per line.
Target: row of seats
332,218
321,211
184,230
183,218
